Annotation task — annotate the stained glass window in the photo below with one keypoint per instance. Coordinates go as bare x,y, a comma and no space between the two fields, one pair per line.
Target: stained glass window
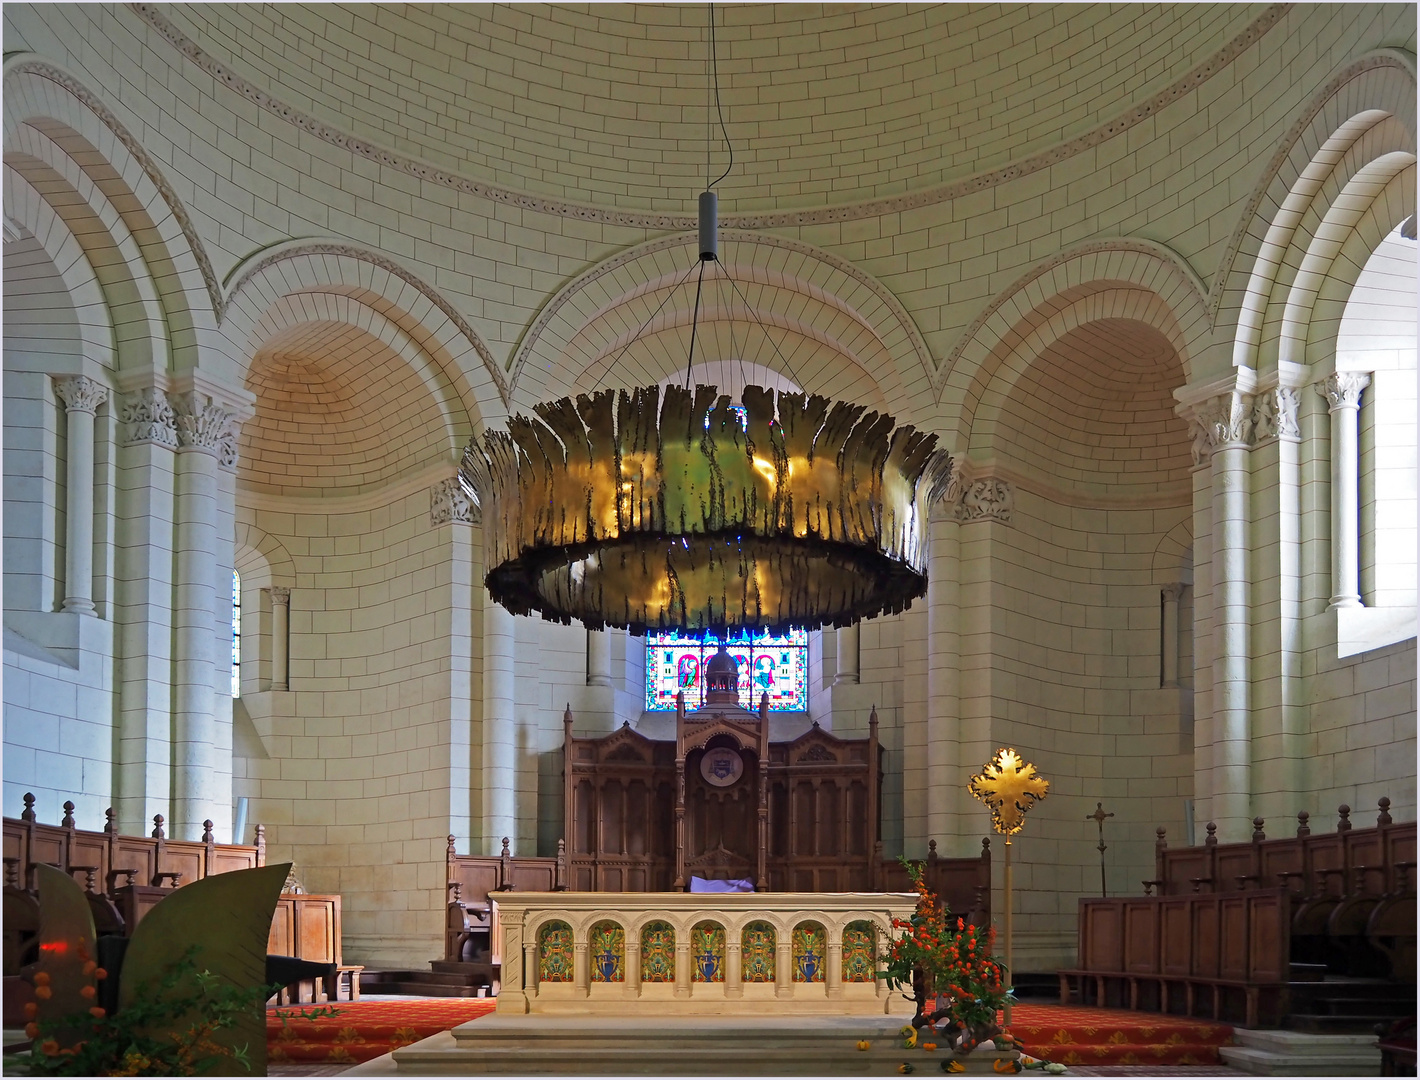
236,634
777,665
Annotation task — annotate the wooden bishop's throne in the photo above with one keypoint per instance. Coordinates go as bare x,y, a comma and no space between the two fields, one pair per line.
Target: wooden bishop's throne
724,800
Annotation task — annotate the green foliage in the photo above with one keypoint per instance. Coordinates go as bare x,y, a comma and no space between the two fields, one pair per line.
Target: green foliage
166,1029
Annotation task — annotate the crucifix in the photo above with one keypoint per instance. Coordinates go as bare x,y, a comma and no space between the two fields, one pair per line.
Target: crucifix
1098,818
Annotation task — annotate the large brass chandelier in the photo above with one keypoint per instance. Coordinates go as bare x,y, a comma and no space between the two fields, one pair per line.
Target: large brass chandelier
685,509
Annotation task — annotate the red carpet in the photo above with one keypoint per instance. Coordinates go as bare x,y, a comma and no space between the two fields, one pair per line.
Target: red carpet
1069,1034
1073,1035
364,1029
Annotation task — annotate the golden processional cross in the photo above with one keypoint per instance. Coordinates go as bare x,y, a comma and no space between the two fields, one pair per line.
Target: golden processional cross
1010,786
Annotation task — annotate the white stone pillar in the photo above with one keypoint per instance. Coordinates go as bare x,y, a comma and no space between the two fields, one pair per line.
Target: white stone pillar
1169,647
500,746
598,658
1343,399
82,398
581,968
783,967
205,431
1224,424
682,967
833,974
143,639
847,655
280,637
633,965
943,678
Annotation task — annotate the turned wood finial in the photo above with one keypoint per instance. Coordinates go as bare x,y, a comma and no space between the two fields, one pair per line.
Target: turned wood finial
28,813
67,822
931,851
1383,818
207,837
507,851
158,833
1161,842
985,847
111,821
559,873
873,716
452,849
1257,833
261,845
567,717
1303,829
1212,838
1343,823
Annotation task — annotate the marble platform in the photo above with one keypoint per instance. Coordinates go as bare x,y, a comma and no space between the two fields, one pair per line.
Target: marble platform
501,1044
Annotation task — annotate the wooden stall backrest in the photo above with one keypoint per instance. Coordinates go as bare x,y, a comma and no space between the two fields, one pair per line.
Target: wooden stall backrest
1348,860
964,885
1238,936
106,861
306,925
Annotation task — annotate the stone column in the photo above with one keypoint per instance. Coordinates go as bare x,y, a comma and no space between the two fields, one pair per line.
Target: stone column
1169,648
529,969
633,965
598,658
833,975
82,398
205,431
280,637
1224,426
581,968
1343,398
847,655
682,967
783,967
500,747
143,610
943,676
734,973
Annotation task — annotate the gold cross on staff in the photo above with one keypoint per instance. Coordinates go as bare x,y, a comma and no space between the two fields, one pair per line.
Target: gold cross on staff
1098,818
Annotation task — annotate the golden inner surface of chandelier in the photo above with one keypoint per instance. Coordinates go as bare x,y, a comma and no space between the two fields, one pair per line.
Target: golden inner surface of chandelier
685,510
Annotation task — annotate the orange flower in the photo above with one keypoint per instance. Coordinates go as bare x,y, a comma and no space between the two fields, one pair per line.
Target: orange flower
43,992
87,992
31,1030
90,967
98,1012
49,1046
100,973
41,978
31,1010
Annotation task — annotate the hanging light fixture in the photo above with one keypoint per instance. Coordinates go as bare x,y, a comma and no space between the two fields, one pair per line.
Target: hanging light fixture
657,509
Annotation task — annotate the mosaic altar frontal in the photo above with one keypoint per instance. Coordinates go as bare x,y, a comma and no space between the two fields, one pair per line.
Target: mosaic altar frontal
708,954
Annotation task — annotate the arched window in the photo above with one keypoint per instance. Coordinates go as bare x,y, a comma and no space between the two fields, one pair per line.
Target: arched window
777,665
236,634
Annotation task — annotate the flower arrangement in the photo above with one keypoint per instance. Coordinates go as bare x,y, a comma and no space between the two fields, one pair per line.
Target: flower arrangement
938,957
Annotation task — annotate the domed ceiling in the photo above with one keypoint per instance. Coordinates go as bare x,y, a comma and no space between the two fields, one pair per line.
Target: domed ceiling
607,104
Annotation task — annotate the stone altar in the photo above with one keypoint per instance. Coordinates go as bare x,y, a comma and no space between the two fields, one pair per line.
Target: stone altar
698,954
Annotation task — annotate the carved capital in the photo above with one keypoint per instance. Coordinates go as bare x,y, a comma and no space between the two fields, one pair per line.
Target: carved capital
1274,414
1173,592
204,424
448,501
1218,422
280,596
80,394
148,418
987,499
1343,390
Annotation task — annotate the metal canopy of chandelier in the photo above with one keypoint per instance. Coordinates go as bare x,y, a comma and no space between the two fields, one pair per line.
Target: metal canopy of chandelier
657,509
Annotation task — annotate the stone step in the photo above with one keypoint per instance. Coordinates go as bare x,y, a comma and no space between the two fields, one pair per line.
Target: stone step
1296,1053
418,990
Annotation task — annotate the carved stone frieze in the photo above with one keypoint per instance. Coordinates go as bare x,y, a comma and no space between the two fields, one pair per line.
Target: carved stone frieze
1274,414
449,502
80,394
1343,390
148,418
987,499
205,424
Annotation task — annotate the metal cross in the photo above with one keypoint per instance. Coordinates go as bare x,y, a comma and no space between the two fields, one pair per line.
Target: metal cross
1098,818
